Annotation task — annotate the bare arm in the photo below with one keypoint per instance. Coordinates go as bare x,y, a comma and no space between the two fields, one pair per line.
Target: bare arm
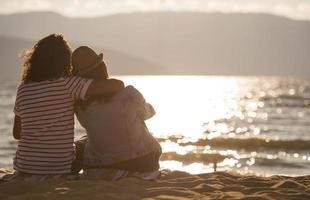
17,127
102,87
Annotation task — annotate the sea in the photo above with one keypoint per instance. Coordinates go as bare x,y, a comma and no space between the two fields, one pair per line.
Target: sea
257,125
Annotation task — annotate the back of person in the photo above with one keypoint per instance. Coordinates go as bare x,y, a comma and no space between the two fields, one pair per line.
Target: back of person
46,112
44,117
116,129
117,136
43,121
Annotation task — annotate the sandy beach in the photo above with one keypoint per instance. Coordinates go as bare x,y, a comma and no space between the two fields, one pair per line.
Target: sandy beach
172,185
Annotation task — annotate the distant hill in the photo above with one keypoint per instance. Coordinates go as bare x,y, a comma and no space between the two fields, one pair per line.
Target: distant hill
9,61
180,42
118,63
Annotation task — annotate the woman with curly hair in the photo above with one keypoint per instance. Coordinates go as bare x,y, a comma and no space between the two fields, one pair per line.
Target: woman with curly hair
44,116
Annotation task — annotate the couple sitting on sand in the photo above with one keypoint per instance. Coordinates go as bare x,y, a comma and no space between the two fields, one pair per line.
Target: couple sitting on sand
117,144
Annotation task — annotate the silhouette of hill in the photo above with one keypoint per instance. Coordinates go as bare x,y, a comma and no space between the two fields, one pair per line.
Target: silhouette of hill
9,61
181,42
118,63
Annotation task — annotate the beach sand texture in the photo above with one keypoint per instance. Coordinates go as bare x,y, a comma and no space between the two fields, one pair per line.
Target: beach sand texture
172,185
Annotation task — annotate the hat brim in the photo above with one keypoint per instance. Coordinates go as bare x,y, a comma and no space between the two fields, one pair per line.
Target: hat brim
91,67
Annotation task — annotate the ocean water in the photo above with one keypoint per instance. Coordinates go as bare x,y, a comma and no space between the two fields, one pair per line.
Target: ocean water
257,125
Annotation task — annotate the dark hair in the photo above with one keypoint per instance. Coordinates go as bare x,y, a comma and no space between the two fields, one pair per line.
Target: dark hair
49,59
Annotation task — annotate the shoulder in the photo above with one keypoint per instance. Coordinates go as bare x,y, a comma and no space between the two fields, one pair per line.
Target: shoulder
131,89
20,86
123,94
42,86
133,94
128,90
41,83
75,79
70,79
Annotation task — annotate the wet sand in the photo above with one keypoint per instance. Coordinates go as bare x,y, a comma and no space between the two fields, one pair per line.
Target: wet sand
172,185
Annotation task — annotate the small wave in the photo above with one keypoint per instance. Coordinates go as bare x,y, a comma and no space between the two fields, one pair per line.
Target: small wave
284,96
247,143
279,162
286,101
194,157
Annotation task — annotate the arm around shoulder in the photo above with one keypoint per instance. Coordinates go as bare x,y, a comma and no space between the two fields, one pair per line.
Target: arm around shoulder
106,86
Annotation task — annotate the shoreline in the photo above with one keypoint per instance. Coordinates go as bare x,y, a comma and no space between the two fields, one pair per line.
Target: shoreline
172,185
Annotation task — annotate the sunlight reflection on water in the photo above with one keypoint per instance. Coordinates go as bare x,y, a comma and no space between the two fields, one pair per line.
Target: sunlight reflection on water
184,104
204,107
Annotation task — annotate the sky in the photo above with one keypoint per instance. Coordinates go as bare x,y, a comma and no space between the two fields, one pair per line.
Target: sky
295,9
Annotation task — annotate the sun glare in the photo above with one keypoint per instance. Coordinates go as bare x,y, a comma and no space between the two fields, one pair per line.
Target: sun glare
181,104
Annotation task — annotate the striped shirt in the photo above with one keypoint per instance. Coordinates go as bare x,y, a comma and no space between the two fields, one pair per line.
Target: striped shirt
47,119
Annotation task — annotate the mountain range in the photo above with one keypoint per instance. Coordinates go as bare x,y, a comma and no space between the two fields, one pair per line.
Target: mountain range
172,43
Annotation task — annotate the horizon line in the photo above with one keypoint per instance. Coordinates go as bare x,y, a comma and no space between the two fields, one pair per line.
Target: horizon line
153,11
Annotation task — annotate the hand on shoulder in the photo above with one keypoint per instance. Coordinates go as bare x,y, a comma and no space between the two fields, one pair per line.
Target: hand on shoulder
106,86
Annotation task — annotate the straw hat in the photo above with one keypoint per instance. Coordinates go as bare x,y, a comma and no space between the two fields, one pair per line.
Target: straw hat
84,59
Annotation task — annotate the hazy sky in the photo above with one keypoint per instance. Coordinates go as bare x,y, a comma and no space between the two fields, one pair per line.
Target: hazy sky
297,9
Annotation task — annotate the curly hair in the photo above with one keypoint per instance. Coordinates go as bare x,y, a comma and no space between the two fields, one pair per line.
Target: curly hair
49,59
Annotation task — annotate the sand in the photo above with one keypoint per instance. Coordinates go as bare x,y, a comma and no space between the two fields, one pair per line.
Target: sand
172,185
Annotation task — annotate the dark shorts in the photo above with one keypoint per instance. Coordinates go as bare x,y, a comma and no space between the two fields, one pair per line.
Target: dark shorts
147,163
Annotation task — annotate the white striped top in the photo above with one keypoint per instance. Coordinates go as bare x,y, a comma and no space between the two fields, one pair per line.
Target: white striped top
47,119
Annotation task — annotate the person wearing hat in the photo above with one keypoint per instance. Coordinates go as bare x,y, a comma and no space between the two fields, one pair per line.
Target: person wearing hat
117,136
